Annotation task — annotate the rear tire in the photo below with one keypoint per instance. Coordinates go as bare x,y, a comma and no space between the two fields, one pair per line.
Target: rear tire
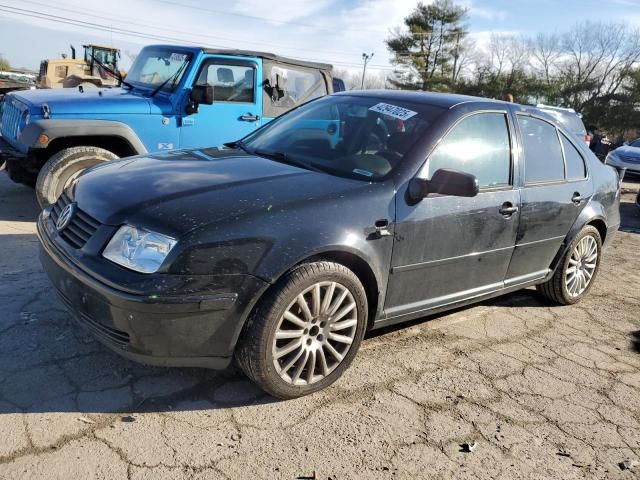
60,170
320,339
577,271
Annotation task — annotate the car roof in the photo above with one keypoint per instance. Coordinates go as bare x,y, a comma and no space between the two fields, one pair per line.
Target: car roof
249,53
443,100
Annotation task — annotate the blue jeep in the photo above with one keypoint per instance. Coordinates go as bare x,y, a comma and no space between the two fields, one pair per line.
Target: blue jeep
173,97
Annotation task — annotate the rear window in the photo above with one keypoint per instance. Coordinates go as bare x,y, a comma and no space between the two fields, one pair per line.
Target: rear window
570,121
635,143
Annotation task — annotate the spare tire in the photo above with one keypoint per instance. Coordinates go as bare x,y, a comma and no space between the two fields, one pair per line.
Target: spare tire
62,168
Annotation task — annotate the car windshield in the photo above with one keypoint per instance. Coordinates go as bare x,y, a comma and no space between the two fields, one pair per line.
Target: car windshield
351,136
635,143
154,67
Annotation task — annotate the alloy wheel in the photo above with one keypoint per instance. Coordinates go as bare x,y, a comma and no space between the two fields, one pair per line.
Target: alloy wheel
582,266
315,333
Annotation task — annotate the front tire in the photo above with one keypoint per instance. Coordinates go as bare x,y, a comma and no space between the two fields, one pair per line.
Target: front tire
62,168
576,273
306,331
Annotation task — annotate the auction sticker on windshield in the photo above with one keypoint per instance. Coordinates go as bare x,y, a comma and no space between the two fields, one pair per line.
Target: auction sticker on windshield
178,57
393,111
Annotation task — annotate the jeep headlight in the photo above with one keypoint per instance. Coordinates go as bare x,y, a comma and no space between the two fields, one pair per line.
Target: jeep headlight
138,249
24,121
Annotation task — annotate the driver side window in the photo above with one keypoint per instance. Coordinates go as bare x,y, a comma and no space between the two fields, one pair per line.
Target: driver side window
478,145
231,83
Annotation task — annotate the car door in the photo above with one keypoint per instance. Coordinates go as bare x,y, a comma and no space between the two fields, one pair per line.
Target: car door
556,187
236,108
450,248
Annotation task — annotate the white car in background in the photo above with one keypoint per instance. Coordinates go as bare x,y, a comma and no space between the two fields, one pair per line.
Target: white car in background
627,156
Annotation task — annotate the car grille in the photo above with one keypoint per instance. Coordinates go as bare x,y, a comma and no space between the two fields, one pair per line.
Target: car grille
10,122
81,227
630,159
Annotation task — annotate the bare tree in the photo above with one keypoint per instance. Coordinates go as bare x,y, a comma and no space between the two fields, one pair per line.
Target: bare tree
545,52
375,79
596,58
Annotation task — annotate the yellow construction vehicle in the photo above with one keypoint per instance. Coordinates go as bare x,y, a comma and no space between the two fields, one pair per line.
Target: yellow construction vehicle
98,68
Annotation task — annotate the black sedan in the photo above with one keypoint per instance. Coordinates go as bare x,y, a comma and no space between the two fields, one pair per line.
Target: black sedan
352,212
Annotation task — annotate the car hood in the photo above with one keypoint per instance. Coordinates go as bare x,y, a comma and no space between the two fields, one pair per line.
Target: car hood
627,151
177,192
93,101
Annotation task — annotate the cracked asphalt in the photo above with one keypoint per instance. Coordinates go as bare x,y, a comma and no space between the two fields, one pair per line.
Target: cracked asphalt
543,391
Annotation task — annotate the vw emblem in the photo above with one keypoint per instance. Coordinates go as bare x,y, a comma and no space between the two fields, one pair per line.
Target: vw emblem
65,216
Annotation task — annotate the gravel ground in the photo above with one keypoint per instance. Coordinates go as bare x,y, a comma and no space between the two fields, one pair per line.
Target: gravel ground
542,391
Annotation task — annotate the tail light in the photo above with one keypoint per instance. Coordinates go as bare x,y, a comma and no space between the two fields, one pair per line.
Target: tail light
587,139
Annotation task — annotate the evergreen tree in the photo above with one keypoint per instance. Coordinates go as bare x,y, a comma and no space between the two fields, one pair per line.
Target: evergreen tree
430,47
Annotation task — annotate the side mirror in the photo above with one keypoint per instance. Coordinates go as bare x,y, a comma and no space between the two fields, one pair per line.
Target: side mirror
445,182
202,94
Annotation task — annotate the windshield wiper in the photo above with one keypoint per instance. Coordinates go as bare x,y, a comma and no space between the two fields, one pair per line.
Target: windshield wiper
173,78
284,158
237,144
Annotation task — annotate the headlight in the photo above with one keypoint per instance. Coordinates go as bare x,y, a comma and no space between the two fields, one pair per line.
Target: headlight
24,121
138,249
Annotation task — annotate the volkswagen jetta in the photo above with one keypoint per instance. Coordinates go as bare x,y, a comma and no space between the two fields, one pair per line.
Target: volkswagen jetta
349,213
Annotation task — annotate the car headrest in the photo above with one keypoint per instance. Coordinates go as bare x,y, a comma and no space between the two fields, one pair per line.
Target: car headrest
225,75
248,77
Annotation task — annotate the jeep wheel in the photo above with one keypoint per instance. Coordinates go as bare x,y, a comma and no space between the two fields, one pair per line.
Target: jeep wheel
64,167
306,331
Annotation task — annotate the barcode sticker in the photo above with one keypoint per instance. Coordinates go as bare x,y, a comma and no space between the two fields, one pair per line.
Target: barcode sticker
393,111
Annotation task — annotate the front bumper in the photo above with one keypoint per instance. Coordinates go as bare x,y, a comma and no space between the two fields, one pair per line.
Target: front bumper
8,152
192,330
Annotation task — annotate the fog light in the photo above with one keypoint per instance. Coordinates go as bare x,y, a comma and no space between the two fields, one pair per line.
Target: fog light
43,139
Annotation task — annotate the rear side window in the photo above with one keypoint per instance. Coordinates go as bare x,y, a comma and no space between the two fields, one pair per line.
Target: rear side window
293,86
478,145
573,159
542,153
287,86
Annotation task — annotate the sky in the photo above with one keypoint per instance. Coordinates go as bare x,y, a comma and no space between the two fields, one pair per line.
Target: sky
331,31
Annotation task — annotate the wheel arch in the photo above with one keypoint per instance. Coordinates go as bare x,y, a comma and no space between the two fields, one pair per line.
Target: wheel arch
354,261
116,137
115,144
593,214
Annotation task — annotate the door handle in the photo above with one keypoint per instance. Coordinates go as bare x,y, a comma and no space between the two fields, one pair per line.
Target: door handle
507,209
250,118
577,198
